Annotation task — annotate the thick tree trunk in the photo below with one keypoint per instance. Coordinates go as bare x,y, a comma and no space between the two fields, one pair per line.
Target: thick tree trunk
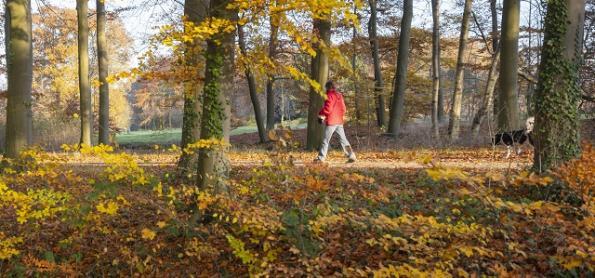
252,89
103,64
557,127
398,100
20,77
270,81
86,107
508,112
436,67
319,72
213,165
378,81
194,11
454,124
488,96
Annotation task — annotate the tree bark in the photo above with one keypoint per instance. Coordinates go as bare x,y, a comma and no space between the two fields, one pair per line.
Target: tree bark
86,107
454,124
270,80
195,12
557,119
495,33
103,64
436,67
508,111
252,89
378,81
495,44
213,165
319,72
488,96
20,76
398,100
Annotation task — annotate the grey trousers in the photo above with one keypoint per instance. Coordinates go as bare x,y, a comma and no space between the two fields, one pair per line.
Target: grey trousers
329,130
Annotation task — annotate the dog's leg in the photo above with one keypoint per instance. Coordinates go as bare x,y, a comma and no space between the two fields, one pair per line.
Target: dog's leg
508,151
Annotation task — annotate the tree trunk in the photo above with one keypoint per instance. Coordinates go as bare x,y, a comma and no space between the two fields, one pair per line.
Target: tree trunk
378,81
398,100
436,68
508,112
194,11
270,80
86,107
213,165
494,13
319,72
495,44
252,89
488,96
20,76
103,63
557,127
454,124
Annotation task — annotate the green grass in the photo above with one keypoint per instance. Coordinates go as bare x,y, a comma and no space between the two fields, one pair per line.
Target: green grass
173,136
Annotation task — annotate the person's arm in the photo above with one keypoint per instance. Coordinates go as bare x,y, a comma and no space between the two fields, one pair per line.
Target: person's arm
326,108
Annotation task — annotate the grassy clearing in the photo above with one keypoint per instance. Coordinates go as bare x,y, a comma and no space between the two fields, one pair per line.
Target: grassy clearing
173,136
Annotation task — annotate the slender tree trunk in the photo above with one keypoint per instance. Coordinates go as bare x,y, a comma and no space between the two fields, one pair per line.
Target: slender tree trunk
508,116
398,100
495,43
454,124
488,96
194,11
252,89
436,68
557,126
494,14
103,64
213,165
378,81
86,107
319,72
270,80
356,93
20,76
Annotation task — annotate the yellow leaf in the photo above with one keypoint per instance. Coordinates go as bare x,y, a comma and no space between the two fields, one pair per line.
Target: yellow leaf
148,234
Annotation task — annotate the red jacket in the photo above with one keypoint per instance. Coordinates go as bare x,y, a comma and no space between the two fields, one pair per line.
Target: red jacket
334,108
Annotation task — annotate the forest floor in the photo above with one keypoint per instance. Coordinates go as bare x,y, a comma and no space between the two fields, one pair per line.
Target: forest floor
430,210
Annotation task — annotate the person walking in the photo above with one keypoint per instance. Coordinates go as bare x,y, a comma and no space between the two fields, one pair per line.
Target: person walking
333,116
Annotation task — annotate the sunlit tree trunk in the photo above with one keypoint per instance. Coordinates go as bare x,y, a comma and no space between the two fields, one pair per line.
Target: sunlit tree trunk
103,63
270,80
86,107
488,96
398,100
454,124
436,68
252,89
508,107
194,12
319,72
378,81
557,126
20,76
213,165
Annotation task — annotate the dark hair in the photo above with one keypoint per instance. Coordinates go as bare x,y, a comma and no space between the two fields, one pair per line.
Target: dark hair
329,85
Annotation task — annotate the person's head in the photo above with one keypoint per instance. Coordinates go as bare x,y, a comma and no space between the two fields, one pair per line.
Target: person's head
330,85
